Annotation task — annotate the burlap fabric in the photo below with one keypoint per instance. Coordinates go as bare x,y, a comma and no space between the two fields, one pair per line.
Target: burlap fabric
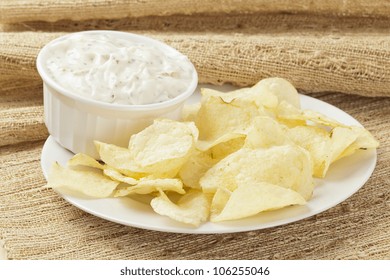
345,55
321,56
54,10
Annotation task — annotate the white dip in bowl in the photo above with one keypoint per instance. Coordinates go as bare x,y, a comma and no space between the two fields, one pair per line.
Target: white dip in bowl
108,85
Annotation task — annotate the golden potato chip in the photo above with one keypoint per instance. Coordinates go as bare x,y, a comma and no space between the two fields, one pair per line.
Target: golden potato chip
190,111
117,176
193,208
251,95
203,145
159,149
288,166
222,150
319,118
340,139
316,141
266,132
287,112
252,198
324,146
119,158
163,146
84,160
91,183
227,97
289,115
218,203
281,88
217,118
149,185
364,141
195,167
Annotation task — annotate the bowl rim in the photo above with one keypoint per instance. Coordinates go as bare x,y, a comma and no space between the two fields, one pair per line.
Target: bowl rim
122,107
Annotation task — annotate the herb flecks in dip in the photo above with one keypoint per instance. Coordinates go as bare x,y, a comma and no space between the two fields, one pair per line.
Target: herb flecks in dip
106,68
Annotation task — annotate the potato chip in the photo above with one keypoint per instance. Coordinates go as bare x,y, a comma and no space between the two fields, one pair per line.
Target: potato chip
324,146
266,132
85,160
222,150
281,88
149,185
225,138
117,176
193,208
364,141
250,199
319,118
218,203
341,139
227,97
190,111
195,167
216,119
119,158
289,115
251,95
316,141
287,112
287,166
163,146
91,183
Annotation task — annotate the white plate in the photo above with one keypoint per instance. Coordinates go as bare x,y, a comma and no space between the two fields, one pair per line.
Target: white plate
344,178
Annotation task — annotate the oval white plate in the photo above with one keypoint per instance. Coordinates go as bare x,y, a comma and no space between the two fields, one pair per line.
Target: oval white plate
344,178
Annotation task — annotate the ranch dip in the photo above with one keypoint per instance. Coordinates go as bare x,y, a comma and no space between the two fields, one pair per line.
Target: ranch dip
115,70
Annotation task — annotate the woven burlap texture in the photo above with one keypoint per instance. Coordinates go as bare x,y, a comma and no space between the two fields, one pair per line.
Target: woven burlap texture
344,61
342,54
54,10
348,63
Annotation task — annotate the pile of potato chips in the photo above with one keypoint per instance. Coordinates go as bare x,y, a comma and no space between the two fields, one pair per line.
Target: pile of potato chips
234,155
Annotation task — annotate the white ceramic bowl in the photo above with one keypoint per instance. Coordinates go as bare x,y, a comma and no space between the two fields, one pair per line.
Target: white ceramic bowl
76,121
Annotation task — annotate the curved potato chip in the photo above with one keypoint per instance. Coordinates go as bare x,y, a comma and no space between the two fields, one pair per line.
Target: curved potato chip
147,185
281,88
220,198
190,112
76,182
288,166
195,167
324,147
117,176
289,115
259,97
316,141
217,118
207,145
287,112
84,160
364,141
193,208
319,118
119,158
266,132
251,199
226,148
224,116
340,139
163,146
